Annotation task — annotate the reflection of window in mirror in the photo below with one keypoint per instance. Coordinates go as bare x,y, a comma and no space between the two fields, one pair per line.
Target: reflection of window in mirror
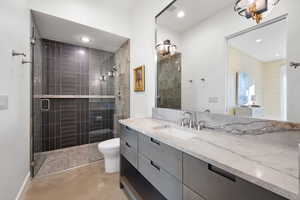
257,72
245,90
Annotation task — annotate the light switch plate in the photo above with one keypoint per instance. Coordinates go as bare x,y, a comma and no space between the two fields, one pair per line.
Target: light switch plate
3,102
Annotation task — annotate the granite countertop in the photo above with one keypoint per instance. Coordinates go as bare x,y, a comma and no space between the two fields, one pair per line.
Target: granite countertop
268,160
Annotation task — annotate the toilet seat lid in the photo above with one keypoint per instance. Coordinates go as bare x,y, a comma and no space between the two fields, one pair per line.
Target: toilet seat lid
110,144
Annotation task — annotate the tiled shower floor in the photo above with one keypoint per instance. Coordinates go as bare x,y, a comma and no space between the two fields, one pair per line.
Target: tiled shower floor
68,158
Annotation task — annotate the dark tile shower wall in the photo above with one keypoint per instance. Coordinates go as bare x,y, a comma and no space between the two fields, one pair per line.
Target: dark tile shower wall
36,91
101,113
73,70
66,124
66,69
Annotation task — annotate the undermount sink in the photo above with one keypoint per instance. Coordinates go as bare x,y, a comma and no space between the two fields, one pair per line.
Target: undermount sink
175,132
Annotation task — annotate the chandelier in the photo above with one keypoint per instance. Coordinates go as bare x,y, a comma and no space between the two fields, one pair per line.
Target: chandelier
166,48
254,9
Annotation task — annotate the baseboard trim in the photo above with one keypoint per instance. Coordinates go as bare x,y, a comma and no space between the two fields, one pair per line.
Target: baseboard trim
24,187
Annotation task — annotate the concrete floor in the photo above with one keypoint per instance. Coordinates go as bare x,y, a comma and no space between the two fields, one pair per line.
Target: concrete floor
84,183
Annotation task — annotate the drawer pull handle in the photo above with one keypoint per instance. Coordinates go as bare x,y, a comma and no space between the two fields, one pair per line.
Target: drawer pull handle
155,165
128,145
221,173
155,141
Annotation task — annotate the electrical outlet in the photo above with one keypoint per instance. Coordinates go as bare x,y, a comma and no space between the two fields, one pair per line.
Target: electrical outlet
213,100
3,102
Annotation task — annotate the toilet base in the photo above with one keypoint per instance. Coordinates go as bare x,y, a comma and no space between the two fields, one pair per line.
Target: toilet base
112,165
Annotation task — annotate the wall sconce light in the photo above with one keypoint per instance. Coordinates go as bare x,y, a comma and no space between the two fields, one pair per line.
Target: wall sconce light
166,48
254,9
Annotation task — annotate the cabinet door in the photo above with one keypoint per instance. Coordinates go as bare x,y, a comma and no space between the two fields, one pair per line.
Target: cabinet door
207,181
129,153
165,183
130,136
213,183
167,157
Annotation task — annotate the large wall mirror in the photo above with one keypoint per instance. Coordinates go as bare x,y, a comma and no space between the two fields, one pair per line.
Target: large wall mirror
211,58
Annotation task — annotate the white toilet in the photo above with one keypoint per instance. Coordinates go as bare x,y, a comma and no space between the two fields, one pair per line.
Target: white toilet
111,151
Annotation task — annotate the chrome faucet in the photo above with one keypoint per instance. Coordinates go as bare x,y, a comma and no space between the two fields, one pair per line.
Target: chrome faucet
189,121
200,125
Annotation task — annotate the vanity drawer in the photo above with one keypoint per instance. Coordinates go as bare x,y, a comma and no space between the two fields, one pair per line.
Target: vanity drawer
212,186
190,195
165,156
130,136
164,182
129,152
215,184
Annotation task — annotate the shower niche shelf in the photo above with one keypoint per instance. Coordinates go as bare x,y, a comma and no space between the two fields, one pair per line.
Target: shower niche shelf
74,97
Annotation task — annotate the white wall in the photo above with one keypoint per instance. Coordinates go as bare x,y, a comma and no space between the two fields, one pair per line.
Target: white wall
205,56
14,81
109,15
143,53
273,89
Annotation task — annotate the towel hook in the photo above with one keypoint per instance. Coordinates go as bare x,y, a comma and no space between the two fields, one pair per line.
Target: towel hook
295,64
25,62
14,53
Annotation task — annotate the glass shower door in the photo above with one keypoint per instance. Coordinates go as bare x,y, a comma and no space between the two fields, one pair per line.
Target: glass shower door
36,157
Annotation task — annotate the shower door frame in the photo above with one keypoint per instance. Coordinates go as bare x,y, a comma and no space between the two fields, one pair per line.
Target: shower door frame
31,156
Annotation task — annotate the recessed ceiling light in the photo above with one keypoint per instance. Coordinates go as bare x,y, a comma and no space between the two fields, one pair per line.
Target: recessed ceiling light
85,39
259,40
277,54
180,14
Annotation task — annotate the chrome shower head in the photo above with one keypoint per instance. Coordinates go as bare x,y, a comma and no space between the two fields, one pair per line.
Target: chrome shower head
116,68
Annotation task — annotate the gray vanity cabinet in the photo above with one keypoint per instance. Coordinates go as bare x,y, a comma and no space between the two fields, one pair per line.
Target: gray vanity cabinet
200,179
213,183
129,144
164,182
130,136
173,175
164,155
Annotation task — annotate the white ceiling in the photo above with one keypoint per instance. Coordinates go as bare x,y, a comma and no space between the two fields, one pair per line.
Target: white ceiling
126,4
54,28
274,41
195,12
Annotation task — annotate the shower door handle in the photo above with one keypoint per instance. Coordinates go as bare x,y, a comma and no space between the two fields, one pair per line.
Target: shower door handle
45,105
